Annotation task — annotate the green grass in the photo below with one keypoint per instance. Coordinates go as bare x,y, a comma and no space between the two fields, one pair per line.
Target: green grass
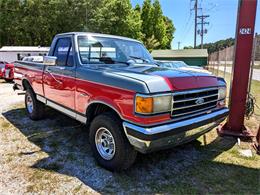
255,89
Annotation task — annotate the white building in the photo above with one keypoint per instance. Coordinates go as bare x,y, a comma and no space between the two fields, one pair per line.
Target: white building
13,53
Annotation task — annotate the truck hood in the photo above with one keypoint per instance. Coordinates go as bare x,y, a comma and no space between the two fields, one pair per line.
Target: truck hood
160,79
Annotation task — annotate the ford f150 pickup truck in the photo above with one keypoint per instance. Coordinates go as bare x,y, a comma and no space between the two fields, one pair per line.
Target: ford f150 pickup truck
130,104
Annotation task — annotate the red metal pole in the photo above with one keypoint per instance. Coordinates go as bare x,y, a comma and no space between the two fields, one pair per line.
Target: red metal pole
243,52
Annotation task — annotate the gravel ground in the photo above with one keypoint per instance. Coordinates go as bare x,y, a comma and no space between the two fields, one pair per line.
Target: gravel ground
54,156
7,96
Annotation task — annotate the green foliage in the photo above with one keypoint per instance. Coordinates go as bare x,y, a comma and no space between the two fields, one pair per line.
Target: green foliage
146,16
36,22
138,8
118,18
156,26
188,47
151,43
170,29
159,26
218,45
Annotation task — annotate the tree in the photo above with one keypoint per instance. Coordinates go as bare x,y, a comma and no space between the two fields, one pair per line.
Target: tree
9,11
146,17
188,47
218,45
170,29
151,43
138,8
117,18
156,26
36,22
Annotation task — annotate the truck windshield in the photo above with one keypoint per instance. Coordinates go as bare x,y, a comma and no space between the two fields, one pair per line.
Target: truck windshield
105,50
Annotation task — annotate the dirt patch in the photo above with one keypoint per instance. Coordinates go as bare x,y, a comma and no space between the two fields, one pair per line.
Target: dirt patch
8,97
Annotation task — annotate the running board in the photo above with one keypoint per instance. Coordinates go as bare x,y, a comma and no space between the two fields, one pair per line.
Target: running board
79,117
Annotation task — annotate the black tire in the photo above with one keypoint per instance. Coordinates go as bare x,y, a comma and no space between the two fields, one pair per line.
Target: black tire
124,155
36,112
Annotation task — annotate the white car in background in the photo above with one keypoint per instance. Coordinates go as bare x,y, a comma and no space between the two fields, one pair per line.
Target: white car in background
181,65
33,59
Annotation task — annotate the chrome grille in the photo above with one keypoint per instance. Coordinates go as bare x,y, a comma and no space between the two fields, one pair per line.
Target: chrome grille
186,103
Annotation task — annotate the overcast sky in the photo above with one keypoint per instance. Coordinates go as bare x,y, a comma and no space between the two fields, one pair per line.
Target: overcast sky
222,19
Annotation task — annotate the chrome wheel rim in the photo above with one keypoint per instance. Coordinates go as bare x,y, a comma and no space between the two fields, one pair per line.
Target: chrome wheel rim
105,143
29,103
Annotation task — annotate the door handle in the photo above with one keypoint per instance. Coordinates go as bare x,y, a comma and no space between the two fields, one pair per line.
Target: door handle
83,94
58,81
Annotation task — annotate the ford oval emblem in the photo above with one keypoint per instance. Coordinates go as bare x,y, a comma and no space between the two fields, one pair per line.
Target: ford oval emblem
199,101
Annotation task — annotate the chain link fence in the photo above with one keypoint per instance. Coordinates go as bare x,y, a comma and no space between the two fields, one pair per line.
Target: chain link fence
222,60
220,63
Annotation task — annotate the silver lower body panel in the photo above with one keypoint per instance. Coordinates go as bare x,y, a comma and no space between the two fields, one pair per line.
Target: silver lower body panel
148,139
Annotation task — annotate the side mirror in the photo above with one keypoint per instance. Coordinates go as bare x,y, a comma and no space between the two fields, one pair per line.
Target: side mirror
50,60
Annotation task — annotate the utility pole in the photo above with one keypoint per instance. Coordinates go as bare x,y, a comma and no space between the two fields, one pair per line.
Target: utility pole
202,31
179,45
246,16
195,26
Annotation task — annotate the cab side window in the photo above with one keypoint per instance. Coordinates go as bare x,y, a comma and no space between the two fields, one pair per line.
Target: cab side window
63,52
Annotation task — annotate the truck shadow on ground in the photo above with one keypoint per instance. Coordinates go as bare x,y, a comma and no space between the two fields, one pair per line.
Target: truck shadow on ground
172,171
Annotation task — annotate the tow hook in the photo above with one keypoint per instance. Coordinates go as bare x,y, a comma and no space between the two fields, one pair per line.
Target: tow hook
15,87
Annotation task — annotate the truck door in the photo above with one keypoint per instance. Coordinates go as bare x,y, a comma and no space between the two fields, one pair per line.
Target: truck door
59,81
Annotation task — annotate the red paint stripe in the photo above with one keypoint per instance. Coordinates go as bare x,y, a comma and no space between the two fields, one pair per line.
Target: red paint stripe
168,83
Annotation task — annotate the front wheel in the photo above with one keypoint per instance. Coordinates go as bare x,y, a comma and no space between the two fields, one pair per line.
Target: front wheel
109,144
34,108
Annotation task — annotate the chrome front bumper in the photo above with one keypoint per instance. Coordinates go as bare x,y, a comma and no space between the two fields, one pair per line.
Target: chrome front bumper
148,139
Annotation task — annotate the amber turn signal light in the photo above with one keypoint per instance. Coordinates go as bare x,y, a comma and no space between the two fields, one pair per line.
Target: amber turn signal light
144,104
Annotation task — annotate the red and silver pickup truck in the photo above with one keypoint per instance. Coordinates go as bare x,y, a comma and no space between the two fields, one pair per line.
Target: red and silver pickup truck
131,104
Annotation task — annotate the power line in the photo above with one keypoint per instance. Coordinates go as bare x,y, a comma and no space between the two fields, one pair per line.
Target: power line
186,27
187,32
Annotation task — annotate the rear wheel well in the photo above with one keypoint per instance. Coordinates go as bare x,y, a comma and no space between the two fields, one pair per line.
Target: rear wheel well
97,108
26,85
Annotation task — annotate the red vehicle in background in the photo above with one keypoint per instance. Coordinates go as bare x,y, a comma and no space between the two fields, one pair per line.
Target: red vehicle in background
2,68
7,71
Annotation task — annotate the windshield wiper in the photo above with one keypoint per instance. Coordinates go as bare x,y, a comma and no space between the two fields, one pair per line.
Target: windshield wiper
110,61
122,62
139,58
156,63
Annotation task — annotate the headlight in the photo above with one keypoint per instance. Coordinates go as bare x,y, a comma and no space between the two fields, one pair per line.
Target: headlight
222,92
145,104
